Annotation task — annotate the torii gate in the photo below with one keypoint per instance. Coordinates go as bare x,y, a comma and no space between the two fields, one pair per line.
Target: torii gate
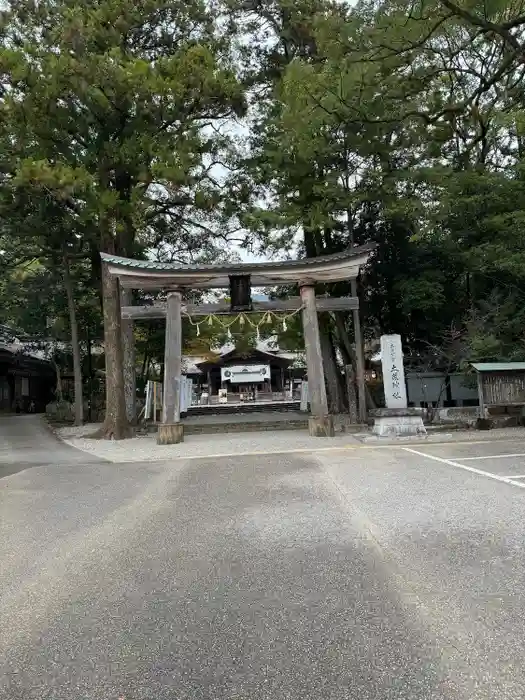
240,278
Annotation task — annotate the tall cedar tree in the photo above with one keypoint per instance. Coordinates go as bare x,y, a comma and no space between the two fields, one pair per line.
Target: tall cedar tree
109,105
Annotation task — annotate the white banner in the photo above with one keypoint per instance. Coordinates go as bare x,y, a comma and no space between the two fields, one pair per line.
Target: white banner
245,374
304,396
186,391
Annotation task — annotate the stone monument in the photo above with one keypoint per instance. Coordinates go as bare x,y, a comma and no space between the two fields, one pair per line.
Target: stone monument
396,420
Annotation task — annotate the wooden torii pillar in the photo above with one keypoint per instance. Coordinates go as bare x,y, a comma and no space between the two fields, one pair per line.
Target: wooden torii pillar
171,430
320,423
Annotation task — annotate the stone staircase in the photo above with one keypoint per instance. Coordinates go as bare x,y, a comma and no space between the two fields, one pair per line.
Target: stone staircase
238,408
233,426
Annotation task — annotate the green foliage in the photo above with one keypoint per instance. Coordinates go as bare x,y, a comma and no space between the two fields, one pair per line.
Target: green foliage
107,103
111,113
401,125
389,122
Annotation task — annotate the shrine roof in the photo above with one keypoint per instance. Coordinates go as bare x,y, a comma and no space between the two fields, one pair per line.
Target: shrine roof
235,356
149,274
499,366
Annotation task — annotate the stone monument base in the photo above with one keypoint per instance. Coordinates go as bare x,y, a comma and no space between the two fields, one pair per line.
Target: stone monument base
170,433
398,422
321,426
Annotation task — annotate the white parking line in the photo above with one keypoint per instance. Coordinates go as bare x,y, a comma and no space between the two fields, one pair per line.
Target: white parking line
496,477
514,476
465,459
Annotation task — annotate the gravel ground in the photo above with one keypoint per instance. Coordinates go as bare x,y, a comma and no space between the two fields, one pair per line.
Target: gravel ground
145,448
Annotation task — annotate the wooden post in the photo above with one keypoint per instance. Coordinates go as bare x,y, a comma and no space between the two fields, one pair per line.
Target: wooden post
359,359
482,410
320,424
171,430
154,402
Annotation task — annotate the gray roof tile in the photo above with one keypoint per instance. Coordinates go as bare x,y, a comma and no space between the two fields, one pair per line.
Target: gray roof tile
240,268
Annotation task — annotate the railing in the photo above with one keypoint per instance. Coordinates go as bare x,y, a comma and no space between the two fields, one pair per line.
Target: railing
153,400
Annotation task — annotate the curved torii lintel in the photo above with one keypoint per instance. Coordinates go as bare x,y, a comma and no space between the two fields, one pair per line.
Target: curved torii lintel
148,274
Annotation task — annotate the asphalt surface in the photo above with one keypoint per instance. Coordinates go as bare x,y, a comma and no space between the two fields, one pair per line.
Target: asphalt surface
366,573
26,441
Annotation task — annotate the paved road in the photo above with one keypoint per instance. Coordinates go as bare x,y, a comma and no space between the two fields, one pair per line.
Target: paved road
26,441
366,574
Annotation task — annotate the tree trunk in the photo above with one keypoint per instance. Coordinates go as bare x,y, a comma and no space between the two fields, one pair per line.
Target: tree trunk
58,389
115,426
351,392
125,239
349,350
128,347
75,345
336,403
145,367
90,376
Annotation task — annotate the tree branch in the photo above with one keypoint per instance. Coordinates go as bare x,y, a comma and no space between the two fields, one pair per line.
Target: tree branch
488,27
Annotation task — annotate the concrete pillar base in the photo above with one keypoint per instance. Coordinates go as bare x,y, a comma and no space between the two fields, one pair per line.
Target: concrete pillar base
321,426
399,426
170,434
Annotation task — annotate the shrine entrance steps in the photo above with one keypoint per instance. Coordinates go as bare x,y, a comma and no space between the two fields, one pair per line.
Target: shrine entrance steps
221,409
255,422
232,424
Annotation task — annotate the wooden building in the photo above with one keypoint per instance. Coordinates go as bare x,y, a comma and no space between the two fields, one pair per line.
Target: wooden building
500,384
26,380
261,374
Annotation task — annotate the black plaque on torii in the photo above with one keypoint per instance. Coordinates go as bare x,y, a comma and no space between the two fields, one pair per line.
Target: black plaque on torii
240,293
